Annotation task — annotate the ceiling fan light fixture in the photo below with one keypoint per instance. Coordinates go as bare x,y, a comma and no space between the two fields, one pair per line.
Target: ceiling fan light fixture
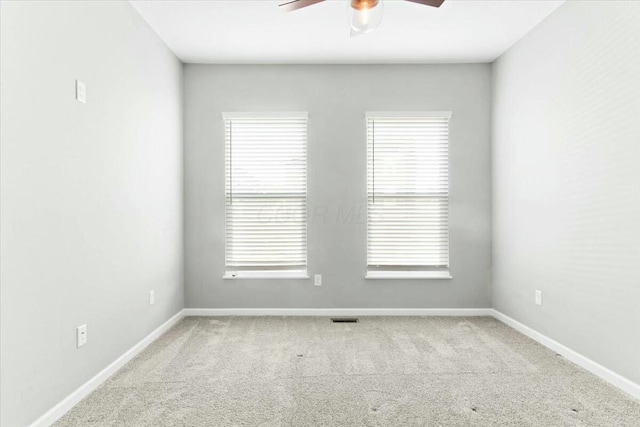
364,16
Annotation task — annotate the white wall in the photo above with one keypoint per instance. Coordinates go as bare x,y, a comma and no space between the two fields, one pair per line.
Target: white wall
337,97
91,195
566,181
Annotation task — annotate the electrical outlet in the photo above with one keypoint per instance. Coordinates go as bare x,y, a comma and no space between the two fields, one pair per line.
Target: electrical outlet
538,297
81,92
317,279
152,297
81,335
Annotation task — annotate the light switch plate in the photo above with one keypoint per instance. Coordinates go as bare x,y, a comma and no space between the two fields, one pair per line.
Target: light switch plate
81,92
81,335
152,297
317,279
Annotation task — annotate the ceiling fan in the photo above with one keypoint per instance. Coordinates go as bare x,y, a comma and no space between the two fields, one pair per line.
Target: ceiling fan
364,15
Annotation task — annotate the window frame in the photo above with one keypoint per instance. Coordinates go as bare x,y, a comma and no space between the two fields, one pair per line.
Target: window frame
407,272
255,272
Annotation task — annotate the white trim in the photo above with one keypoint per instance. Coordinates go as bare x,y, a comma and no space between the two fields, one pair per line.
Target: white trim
595,368
404,114
266,274
266,115
55,413
407,274
337,312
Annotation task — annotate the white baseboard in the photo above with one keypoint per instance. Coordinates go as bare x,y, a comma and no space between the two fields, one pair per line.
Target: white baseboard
338,312
595,368
55,413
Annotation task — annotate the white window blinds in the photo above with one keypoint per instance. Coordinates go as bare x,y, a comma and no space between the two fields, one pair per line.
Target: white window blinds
266,191
408,191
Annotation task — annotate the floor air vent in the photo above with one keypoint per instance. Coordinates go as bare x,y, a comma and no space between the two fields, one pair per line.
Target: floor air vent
344,319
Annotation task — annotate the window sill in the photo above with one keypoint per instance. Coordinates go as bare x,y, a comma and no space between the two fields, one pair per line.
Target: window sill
408,275
266,275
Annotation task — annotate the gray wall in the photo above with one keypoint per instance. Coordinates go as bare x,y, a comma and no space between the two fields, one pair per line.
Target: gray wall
91,195
566,181
336,98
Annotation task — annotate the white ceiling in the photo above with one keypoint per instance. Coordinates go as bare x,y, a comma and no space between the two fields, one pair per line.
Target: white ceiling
244,31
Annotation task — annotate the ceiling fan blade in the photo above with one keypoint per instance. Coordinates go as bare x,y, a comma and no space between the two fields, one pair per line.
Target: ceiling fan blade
297,4
434,3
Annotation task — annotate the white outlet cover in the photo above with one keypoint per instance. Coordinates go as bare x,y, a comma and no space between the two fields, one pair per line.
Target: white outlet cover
81,92
81,335
538,297
152,297
317,279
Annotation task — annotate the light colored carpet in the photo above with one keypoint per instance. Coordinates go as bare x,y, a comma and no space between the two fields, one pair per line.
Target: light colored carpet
383,371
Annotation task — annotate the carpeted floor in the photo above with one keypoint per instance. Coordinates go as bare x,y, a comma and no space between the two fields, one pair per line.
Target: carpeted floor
382,371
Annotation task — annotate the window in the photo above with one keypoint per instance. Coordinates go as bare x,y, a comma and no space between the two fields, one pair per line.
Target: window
266,195
408,195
